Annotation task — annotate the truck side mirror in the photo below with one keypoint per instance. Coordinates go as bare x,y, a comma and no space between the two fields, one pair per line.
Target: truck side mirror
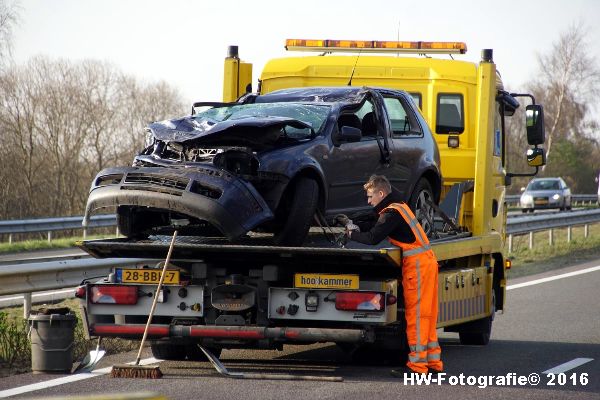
350,134
534,121
536,157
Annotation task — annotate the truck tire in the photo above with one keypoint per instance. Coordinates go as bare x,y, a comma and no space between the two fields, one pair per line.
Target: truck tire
419,206
480,335
299,206
168,351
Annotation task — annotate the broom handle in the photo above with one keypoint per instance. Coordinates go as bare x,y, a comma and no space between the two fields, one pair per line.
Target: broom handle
160,283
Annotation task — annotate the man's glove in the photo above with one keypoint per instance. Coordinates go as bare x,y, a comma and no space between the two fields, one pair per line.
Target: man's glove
342,220
350,227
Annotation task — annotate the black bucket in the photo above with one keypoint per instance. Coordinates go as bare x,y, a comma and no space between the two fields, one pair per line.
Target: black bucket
52,334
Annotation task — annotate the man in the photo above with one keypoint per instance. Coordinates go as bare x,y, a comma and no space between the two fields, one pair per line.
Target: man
419,271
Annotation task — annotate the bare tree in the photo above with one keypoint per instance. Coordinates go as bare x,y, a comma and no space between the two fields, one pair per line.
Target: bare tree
568,83
61,122
9,17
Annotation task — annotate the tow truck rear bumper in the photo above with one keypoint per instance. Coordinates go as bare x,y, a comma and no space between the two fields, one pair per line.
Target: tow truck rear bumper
157,331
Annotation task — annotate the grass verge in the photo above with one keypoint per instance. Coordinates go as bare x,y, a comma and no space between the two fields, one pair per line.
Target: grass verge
31,245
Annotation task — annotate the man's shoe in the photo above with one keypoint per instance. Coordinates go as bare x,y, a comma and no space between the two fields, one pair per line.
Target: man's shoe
434,371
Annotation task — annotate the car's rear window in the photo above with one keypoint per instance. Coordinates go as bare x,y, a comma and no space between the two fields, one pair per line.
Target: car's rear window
544,185
314,115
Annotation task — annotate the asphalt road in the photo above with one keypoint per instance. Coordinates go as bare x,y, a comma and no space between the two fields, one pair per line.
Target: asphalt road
545,326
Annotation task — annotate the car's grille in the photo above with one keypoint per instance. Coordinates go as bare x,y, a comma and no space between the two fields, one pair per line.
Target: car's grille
159,183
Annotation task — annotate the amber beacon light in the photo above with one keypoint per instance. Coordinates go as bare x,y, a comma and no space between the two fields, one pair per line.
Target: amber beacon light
374,46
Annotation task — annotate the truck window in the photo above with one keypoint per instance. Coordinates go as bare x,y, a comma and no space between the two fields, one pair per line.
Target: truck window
450,113
402,120
417,99
499,141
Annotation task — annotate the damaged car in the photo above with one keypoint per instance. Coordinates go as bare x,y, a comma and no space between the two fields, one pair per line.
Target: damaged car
275,163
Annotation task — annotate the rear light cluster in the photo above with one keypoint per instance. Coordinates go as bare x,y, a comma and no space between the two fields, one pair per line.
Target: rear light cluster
112,294
362,301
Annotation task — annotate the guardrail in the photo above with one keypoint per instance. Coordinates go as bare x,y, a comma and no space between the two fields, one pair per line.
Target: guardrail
576,199
49,225
50,275
548,222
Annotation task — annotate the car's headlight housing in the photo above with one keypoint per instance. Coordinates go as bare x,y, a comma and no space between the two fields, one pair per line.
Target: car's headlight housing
556,196
526,198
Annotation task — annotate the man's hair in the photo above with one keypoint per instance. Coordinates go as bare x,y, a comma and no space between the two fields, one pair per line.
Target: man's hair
378,182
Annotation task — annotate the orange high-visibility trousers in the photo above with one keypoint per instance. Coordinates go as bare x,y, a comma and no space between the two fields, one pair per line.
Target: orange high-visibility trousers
420,286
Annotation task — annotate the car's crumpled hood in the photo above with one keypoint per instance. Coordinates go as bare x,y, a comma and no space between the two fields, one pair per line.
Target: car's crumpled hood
243,131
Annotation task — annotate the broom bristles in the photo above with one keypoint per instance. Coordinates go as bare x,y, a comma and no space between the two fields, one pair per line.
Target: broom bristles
136,371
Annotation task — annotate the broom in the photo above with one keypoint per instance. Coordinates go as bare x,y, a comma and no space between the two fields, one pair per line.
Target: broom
145,371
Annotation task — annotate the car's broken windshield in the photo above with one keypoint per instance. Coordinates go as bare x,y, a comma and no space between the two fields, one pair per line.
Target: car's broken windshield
313,115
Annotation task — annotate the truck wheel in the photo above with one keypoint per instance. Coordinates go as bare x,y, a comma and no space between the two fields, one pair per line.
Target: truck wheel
194,353
481,335
299,206
418,204
168,351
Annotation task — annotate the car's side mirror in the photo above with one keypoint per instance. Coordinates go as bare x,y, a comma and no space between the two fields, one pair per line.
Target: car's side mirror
536,157
534,121
350,134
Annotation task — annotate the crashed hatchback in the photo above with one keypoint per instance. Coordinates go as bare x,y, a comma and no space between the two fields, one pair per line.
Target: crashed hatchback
272,163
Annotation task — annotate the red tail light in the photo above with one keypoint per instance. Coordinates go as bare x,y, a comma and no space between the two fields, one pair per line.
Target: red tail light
80,292
114,294
360,301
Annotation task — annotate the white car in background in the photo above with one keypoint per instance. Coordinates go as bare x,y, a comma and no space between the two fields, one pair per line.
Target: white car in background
545,193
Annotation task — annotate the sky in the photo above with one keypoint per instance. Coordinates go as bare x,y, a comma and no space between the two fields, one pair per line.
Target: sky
184,42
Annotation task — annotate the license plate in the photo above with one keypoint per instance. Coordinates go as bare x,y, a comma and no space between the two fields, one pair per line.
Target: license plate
150,276
326,281
541,201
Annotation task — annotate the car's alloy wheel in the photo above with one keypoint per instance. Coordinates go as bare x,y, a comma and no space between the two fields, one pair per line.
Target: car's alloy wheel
419,205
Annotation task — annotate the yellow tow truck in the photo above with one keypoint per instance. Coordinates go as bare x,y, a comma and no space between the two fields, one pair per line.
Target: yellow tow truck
257,296
465,104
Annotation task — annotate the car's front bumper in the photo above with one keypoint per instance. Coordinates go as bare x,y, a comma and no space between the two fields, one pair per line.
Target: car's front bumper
541,202
225,201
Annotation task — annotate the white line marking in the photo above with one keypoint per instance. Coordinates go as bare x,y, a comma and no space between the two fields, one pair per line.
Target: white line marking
568,366
66,379
553,278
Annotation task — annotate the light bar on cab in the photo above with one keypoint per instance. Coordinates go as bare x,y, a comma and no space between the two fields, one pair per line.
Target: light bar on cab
375,46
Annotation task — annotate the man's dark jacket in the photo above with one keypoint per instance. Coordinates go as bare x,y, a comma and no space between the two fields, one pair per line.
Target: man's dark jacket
387,224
